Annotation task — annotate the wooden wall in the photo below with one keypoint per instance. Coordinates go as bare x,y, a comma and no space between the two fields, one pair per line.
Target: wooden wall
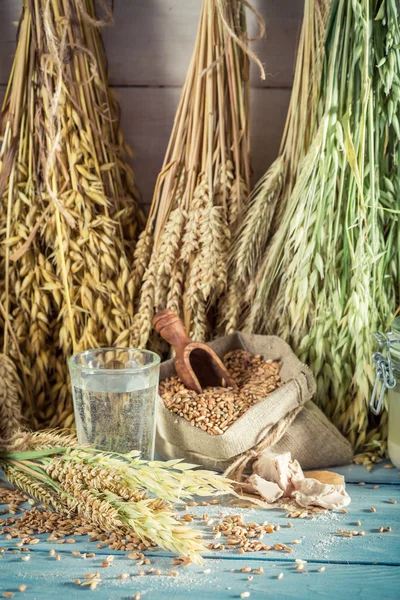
148,50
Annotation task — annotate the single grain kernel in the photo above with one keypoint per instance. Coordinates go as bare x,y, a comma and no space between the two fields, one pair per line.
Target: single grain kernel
245,594
392,501
136,596
22,587
321,569
359,523
207,571
296,541
375,487
388,529
372,509
123,576
8,595
280,575
58,557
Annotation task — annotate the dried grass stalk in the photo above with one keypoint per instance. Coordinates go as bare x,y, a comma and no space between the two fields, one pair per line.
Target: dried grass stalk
270,196
203,184
68,213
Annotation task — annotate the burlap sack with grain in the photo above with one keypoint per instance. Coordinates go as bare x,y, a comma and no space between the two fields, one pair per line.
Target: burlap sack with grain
285,420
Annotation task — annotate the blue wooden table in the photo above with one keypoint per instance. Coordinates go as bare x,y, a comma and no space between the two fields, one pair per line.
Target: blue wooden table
355,567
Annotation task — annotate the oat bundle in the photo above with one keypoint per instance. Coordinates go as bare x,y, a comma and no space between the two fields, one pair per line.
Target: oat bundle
330,275
68,210
113,492
269,197
181,257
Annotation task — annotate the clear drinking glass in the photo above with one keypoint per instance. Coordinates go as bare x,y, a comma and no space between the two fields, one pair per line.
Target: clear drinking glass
115,392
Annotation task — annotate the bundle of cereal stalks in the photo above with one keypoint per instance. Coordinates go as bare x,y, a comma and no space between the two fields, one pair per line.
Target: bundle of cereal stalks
270,195
181,257
330,275
68,204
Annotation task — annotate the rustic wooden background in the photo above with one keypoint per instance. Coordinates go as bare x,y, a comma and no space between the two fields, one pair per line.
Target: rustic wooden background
148,50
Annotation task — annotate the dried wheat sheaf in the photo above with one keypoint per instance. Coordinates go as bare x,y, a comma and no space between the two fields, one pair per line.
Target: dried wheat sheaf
181,259
68,204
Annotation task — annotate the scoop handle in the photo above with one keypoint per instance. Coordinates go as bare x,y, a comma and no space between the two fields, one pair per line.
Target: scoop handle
172,330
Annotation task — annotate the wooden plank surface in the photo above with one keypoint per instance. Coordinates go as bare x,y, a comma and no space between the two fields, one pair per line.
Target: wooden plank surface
318,537
358,567
383,472
47,579
151,41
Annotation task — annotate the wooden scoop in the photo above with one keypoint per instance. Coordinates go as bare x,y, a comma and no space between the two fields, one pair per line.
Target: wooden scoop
196,364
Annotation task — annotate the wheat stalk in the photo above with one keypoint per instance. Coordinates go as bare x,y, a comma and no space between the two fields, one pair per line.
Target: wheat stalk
269,198
203,184
113,492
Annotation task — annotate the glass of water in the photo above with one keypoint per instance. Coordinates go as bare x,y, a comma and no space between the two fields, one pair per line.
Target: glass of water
115,392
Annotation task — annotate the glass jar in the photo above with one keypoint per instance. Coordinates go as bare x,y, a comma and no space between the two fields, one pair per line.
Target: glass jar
388,372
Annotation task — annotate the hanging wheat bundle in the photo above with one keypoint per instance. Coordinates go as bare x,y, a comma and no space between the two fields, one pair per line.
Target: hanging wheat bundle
181,258
269,197
113,493
69,215
330,275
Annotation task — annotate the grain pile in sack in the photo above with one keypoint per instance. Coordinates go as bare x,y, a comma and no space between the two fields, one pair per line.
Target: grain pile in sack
284,421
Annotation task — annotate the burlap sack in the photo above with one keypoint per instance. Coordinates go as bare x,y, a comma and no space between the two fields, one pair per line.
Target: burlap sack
285,420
